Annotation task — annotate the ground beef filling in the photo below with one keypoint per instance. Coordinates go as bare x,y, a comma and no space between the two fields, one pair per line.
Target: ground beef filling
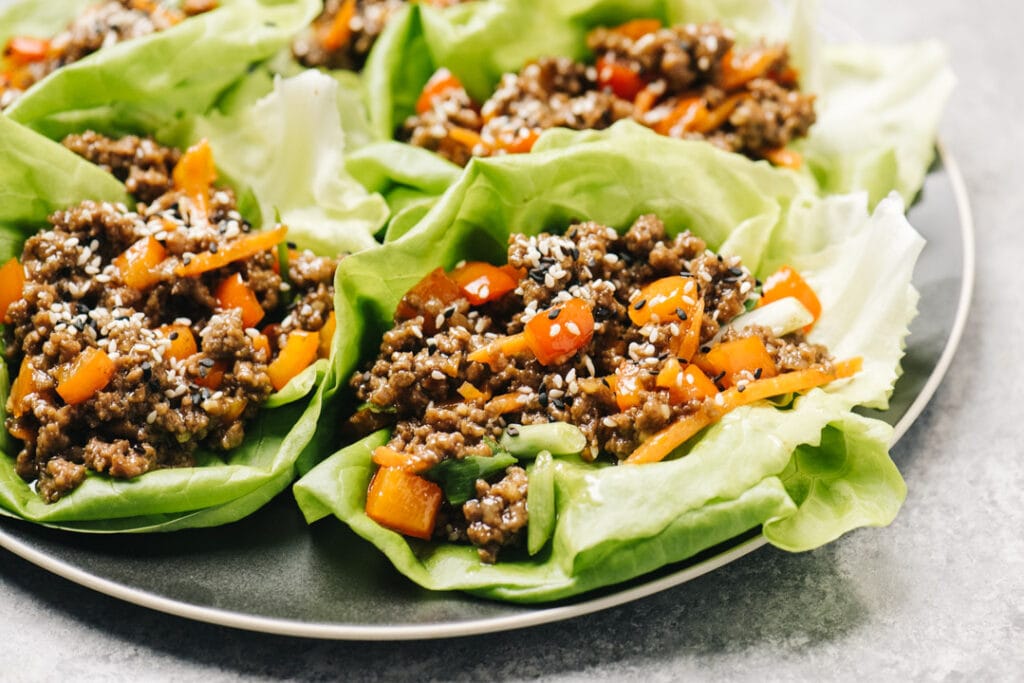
158,407
414,384
671,69
99,26
341,37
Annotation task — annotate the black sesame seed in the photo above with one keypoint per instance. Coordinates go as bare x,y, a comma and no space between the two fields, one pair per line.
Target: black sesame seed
681,313
719,257
542,398
718,378
449,312
757,373
604,381
572,234
213,248
558,403
705,349
204,393
736,271
207,362
186,260
512,430
555,312
246,227
575,253
741,388
639,304
537,275
292,245
79,324
602,313
173,336
757,283
81,309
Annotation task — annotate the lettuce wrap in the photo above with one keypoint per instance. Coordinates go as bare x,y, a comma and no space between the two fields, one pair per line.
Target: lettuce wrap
39,177
147,82
878,107
805,473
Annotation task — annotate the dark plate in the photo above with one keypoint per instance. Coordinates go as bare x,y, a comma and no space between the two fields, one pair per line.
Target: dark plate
272,573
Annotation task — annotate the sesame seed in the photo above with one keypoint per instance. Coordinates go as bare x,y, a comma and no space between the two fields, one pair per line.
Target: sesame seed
639,304
437,374
554,313
573,327
555,330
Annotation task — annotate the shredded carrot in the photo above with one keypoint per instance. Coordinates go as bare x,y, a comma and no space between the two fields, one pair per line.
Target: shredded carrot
339,31
505,403
662,444
638,28
12,285
522,143
716,118
468,138
504,347
25,49
404,502
644,101
687,115
787,282
686,346
242,248
739,68
385,456
298,353
90,372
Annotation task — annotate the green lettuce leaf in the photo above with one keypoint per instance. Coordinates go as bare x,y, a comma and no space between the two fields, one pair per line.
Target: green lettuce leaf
878,108
808,472
37,177
143,84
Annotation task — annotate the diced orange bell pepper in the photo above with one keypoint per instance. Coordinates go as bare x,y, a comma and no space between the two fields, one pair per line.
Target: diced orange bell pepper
685,383
471,393
339,31
636,29
669,299
298,353
626,383
786,282
442,82
90,372
466,137
194,175
404,502
747,355
504,347
644,102
21,387
511,402
183,342
261,343
619,78
785,158
557,334
233,293
481,282
689,114
241,248
12,285
25,49
435,285
214,376
326,335
385,456
741,67
521,144
138,263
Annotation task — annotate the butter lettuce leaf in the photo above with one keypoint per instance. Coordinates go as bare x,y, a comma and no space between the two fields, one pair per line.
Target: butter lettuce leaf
878,108
806,473
148,82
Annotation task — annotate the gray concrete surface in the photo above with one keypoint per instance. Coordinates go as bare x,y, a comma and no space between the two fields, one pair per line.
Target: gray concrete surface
937,596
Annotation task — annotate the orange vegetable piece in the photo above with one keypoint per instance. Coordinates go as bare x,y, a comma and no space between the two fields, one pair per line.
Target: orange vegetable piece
505,403
183,342
466,137
241,248
12,285
481,282
298,353
233,293
685,346
555,335
138,263
626,383
385,456
25,49
442,82
670,298
261,343
435,285
504,347
522,144
739,68
662,444
404,502
21,387
685,383
717,117
91,371
637,28
194,174
785,282
786,158
470,392
644,101
214,376
746,355
326,336
687,115
619,78
339,31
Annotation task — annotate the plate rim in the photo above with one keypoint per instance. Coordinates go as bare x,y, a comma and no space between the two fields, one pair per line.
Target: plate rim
404,632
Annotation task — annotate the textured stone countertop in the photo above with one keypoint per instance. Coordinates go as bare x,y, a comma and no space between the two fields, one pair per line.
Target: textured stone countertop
938,595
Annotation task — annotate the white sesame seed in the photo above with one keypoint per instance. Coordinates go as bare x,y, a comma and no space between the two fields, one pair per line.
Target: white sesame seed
555,329
151,418
439,321
437,374
573,327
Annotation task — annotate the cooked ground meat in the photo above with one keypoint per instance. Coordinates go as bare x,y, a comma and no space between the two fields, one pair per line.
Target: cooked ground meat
99,26
498,515
142,165
418,383
333,46
160,403
681,81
